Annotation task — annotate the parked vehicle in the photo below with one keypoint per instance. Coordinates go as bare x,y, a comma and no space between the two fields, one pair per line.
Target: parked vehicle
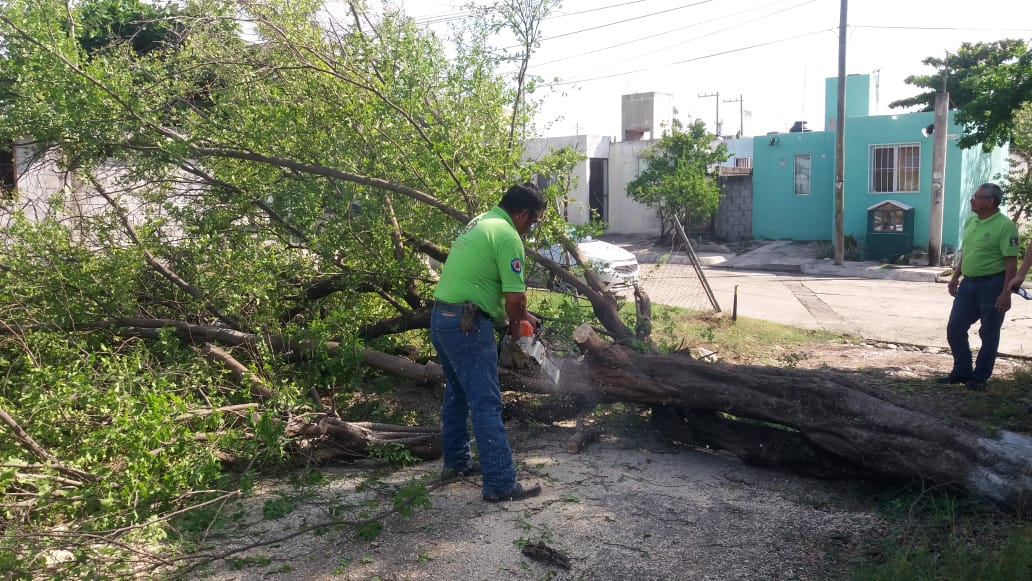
616,267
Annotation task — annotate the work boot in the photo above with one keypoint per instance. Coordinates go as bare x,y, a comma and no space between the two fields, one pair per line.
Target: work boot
518,493
976,384
471,469
951,380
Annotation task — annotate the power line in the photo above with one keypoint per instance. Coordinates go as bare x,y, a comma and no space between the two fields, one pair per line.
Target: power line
451,16
718,31
564,15
575,81
944,28
653,36
734,50
627,20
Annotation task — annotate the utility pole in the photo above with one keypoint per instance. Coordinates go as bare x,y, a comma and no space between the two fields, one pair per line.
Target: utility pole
741,113
716,125
840,143
940,133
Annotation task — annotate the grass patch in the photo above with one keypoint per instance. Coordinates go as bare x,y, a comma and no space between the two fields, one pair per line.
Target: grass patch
747,340
1007,405
744,341
942,536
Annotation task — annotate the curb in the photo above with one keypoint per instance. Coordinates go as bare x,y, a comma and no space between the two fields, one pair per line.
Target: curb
818,267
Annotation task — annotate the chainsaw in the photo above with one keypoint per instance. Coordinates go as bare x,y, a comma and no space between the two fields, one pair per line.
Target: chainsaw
528,348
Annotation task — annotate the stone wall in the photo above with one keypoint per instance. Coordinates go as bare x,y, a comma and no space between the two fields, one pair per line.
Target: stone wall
733,220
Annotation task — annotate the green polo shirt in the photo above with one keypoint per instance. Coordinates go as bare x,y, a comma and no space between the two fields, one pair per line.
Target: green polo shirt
485,261
985,243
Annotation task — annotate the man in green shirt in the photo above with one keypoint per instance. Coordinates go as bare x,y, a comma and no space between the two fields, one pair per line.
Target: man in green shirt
482,287
988,262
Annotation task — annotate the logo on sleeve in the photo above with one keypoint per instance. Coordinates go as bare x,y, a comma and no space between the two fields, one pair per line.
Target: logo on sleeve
517,265
1014,241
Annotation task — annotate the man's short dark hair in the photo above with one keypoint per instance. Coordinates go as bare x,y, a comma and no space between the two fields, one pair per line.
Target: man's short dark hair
525,196
992,190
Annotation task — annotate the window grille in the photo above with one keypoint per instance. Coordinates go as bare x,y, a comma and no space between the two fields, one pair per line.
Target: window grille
802,174
895,168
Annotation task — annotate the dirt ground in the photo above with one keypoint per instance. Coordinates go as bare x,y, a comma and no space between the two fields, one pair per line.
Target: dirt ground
631,506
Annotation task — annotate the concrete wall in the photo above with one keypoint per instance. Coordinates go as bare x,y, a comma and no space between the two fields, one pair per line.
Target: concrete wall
858,99
864,133
965,170
648,114
733,220
777,212
625,215
977,168
46,192
38,180
578,211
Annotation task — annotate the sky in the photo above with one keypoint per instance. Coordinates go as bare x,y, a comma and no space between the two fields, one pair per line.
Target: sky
774,55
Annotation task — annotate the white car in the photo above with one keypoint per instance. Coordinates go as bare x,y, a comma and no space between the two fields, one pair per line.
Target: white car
616,267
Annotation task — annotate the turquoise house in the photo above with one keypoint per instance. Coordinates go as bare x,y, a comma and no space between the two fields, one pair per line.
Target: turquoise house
887,158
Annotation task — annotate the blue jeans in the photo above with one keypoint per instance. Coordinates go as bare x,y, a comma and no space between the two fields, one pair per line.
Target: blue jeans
975,301
470,362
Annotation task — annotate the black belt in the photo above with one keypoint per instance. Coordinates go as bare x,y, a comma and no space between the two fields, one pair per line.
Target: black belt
985,277
451,307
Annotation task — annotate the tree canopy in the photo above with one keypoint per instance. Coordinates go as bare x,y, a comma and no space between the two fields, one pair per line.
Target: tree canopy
679,179
223,203
1017,185
987,83
954,68
999,91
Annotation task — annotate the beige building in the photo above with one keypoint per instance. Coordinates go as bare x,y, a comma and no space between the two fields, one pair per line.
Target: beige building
600,183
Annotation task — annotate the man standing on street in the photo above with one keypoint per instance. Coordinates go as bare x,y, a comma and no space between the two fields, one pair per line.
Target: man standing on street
481,287
988,261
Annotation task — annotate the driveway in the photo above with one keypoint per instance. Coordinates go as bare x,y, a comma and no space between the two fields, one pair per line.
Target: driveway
893,311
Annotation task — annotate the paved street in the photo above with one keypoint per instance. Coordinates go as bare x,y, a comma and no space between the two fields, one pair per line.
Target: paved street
887,310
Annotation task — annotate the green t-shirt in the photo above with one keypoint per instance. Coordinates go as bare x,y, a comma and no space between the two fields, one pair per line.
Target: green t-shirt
985,243
485,261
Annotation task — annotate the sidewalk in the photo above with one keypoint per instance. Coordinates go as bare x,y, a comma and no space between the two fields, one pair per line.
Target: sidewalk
778,256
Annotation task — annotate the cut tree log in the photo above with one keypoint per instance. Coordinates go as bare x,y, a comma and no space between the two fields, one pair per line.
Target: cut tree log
327,438
843,417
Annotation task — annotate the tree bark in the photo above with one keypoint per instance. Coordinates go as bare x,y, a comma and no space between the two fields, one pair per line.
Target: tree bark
326,438
846,420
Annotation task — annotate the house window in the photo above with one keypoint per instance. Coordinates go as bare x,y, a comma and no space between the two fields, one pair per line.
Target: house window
802,174
743,162
895,168
643,164
8,174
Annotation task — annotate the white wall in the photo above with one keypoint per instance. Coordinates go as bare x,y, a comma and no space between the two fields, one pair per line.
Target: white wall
38,179
625,215
41,179
577,209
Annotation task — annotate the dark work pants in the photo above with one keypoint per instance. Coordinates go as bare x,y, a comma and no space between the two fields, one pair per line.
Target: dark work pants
975,301
471,389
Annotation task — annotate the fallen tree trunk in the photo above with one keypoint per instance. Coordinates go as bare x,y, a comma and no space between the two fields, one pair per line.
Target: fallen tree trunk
855,424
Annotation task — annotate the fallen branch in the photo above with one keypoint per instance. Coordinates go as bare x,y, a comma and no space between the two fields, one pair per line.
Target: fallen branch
240,371
200,413
52,462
